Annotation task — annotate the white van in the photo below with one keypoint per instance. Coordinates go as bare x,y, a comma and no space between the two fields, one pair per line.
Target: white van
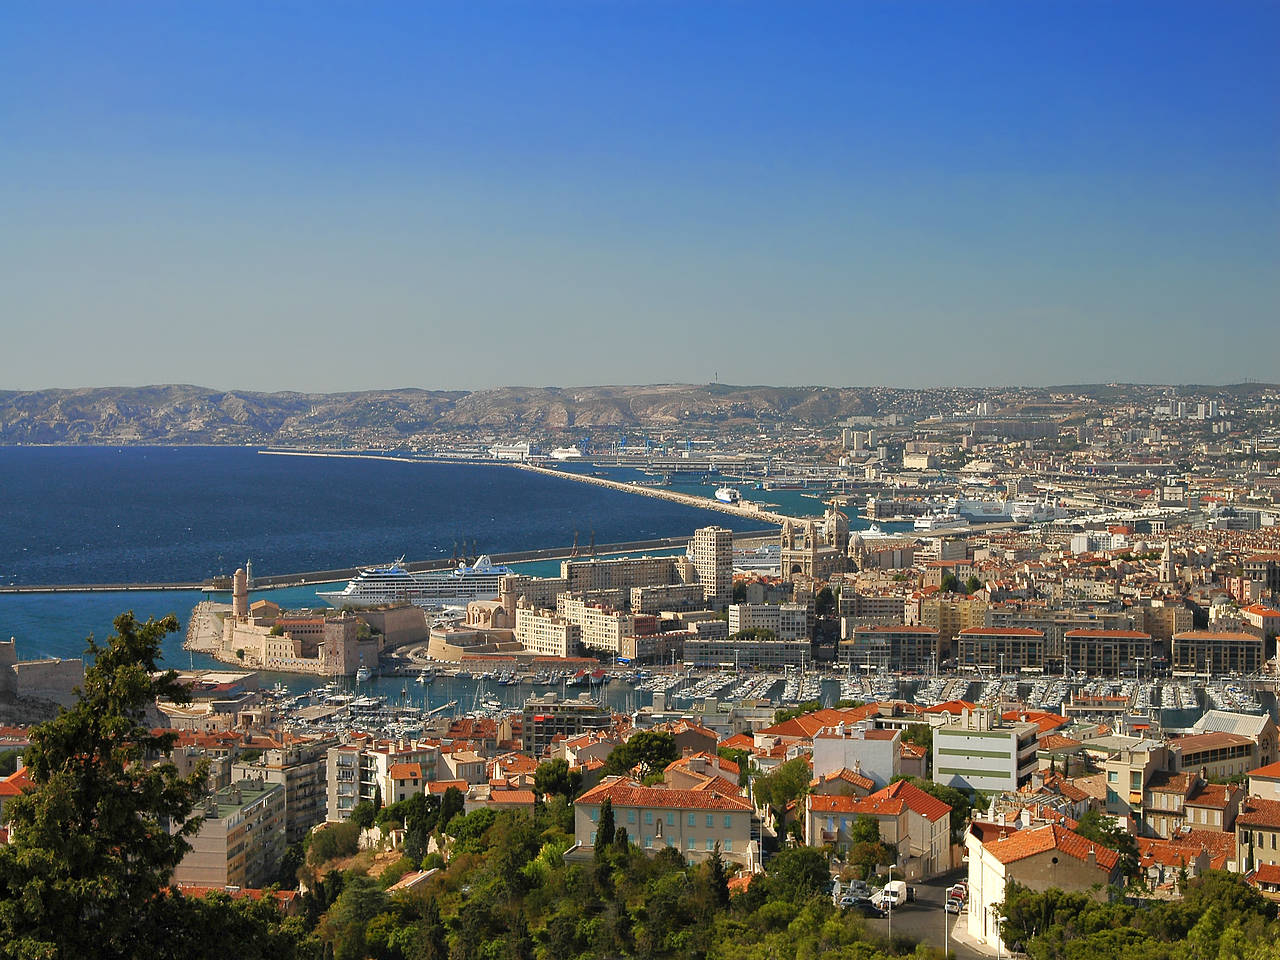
892,893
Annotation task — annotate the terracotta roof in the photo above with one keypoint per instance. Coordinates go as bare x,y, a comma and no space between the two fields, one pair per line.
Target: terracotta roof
512,796
16,783
925,804
739,741
1027,843
1220,845
1265,873
951,706
1041,718
628,793
1173,782
440,786
849,776
1270,772
1255,812
405,771
875,805
1056,741
804,727
1216,796
1169,853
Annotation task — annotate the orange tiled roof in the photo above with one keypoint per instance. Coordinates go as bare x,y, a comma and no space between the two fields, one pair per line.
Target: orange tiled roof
925,804
874,805
1056,741
1220,845
512,796
1256,812
849,776
804,727
628,793
1265,873
405,771
16,783
1270,772
1027,843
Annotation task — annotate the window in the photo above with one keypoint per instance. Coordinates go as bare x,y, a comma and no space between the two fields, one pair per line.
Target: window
728,822
631,816
648,816
728,846
648,843
711,820
692,842
671,819
594,813
1113,777
1135,780
711,844
693,819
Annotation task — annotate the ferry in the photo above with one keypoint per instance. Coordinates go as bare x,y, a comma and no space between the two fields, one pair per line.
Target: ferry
437,589
940,521
728,495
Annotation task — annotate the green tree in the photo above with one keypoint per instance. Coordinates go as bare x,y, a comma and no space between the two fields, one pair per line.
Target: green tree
451,804
377,799
972,584
949,584
739,592
605,829
362,814
650,749
776,789
92,843
1093,826
556,778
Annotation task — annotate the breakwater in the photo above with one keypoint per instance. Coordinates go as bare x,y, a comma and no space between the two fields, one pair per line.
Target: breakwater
658,493
332,576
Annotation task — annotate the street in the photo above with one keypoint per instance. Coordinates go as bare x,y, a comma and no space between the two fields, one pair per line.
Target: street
924,918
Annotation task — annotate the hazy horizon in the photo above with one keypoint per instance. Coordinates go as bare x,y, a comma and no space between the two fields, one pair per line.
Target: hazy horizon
332,198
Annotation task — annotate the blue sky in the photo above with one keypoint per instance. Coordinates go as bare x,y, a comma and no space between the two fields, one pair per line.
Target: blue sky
334,196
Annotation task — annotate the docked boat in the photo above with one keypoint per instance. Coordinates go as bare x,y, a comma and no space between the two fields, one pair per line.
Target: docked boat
728,495
436,589
363,674
940,521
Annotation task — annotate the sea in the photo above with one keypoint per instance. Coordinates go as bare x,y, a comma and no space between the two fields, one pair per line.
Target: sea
131,514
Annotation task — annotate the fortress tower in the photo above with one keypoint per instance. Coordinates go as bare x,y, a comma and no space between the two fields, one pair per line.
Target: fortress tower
240,595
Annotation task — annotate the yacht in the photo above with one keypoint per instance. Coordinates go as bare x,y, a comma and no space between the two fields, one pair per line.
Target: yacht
435,589
728,495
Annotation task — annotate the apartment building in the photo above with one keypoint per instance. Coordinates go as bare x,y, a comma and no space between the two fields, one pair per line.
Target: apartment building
1218,652
360,770
546,633
548,717
861,747
1258,833
1006,649
886,647
786,621
241,838
1107,653
712,652
602,628
678,597
981,751
711,551
298,765
860,608
592,574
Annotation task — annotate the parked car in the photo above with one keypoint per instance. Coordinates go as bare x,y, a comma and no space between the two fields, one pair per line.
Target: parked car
863,906
953,905
857,888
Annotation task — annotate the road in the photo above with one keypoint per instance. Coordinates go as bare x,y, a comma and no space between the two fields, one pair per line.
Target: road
923,919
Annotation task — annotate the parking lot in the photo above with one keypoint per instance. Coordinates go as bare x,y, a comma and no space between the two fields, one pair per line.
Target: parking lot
925,920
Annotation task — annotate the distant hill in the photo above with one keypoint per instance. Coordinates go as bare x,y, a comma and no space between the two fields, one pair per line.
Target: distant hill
181,413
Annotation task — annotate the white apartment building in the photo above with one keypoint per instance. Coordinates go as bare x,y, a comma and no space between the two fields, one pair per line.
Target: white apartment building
546,633
711,551
860,747
787,621
601,628
978,751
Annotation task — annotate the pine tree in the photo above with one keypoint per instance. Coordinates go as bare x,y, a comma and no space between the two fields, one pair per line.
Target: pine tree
604,835
97,840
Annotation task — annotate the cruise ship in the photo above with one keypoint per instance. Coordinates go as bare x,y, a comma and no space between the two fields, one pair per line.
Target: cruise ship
374,586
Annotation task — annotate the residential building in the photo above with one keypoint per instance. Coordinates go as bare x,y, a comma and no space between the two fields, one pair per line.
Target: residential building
548,717
740,653
667,596
545,632
889,647
300,766
1258,833
691,821
711,551
859,747
1006,649
981,751
1035,857
241,838
1107,653
1214,755
786,621
1218,652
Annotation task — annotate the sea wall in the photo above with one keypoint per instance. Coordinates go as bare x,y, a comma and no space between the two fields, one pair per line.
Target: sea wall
49,679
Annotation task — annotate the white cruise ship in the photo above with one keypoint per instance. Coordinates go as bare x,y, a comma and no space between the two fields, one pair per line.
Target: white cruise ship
436,589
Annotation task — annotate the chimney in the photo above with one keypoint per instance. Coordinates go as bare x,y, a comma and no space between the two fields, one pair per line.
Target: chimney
1093,858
